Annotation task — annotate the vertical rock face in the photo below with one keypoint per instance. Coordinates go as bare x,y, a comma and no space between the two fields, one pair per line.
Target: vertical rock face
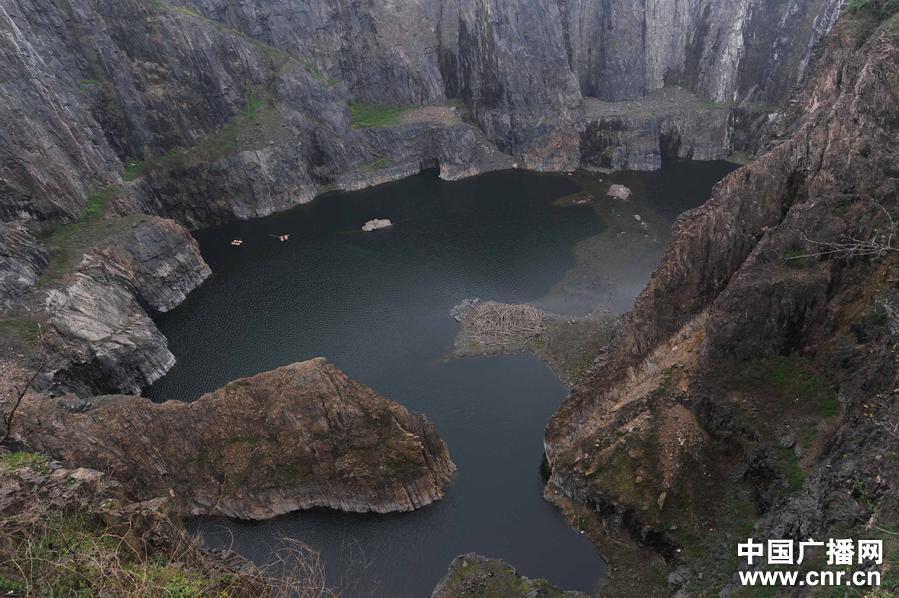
640,134
298,437
107,341
21,260
161,262
761,279
515,80
95,83
623,49
52,148
383,51
254,87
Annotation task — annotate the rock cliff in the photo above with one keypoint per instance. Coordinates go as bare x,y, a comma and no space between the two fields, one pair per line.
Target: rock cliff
204,110
667,124
79,294
744,371
621,49
98,322
298,437
22,258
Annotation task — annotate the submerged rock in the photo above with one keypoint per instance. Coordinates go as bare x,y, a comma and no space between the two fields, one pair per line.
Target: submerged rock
568,344
376,224
301,436
474,575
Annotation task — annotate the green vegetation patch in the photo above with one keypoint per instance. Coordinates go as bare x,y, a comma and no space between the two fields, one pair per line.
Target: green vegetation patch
20,459
629,473
133,169
379,163
731,518
792,382
882,9
798,258
67,243
257,122
87,85
97,202
371,115
19,328
710,104
71,555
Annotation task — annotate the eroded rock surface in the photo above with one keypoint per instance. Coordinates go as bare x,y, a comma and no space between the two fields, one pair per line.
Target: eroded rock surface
668,124
226,109
298,437
477,576
742,375
103,336
21,261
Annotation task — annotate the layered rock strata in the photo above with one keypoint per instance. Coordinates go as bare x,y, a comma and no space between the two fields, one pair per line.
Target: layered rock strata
99,329
228,109
765,333
298,437
666,125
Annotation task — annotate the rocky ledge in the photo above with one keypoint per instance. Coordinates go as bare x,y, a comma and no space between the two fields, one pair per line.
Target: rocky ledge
670,123
99,327
301,436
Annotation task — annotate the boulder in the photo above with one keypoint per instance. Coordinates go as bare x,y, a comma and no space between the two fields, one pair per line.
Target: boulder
619,192
377,223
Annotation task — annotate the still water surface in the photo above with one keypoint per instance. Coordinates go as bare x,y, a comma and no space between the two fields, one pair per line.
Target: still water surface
377,305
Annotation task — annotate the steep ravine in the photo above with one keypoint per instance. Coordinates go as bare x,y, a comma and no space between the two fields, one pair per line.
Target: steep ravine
212,110
749,381
125,122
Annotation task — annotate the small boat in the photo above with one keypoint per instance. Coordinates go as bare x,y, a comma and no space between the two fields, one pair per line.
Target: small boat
237,242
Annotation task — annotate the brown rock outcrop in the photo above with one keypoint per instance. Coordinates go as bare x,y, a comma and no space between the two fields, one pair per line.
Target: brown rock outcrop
301,436
771,313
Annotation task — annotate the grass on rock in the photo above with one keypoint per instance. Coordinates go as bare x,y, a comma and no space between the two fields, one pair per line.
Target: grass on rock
365,116
67,243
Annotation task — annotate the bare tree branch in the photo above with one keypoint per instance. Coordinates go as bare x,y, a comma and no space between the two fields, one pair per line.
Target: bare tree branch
45,360
880,243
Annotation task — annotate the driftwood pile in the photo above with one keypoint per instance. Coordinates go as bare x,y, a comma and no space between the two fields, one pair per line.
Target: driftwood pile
499,325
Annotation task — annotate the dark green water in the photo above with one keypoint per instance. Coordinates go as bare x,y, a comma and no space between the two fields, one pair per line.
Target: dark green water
377,305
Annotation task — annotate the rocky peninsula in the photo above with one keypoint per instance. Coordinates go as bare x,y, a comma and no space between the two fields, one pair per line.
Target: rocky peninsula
298,437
